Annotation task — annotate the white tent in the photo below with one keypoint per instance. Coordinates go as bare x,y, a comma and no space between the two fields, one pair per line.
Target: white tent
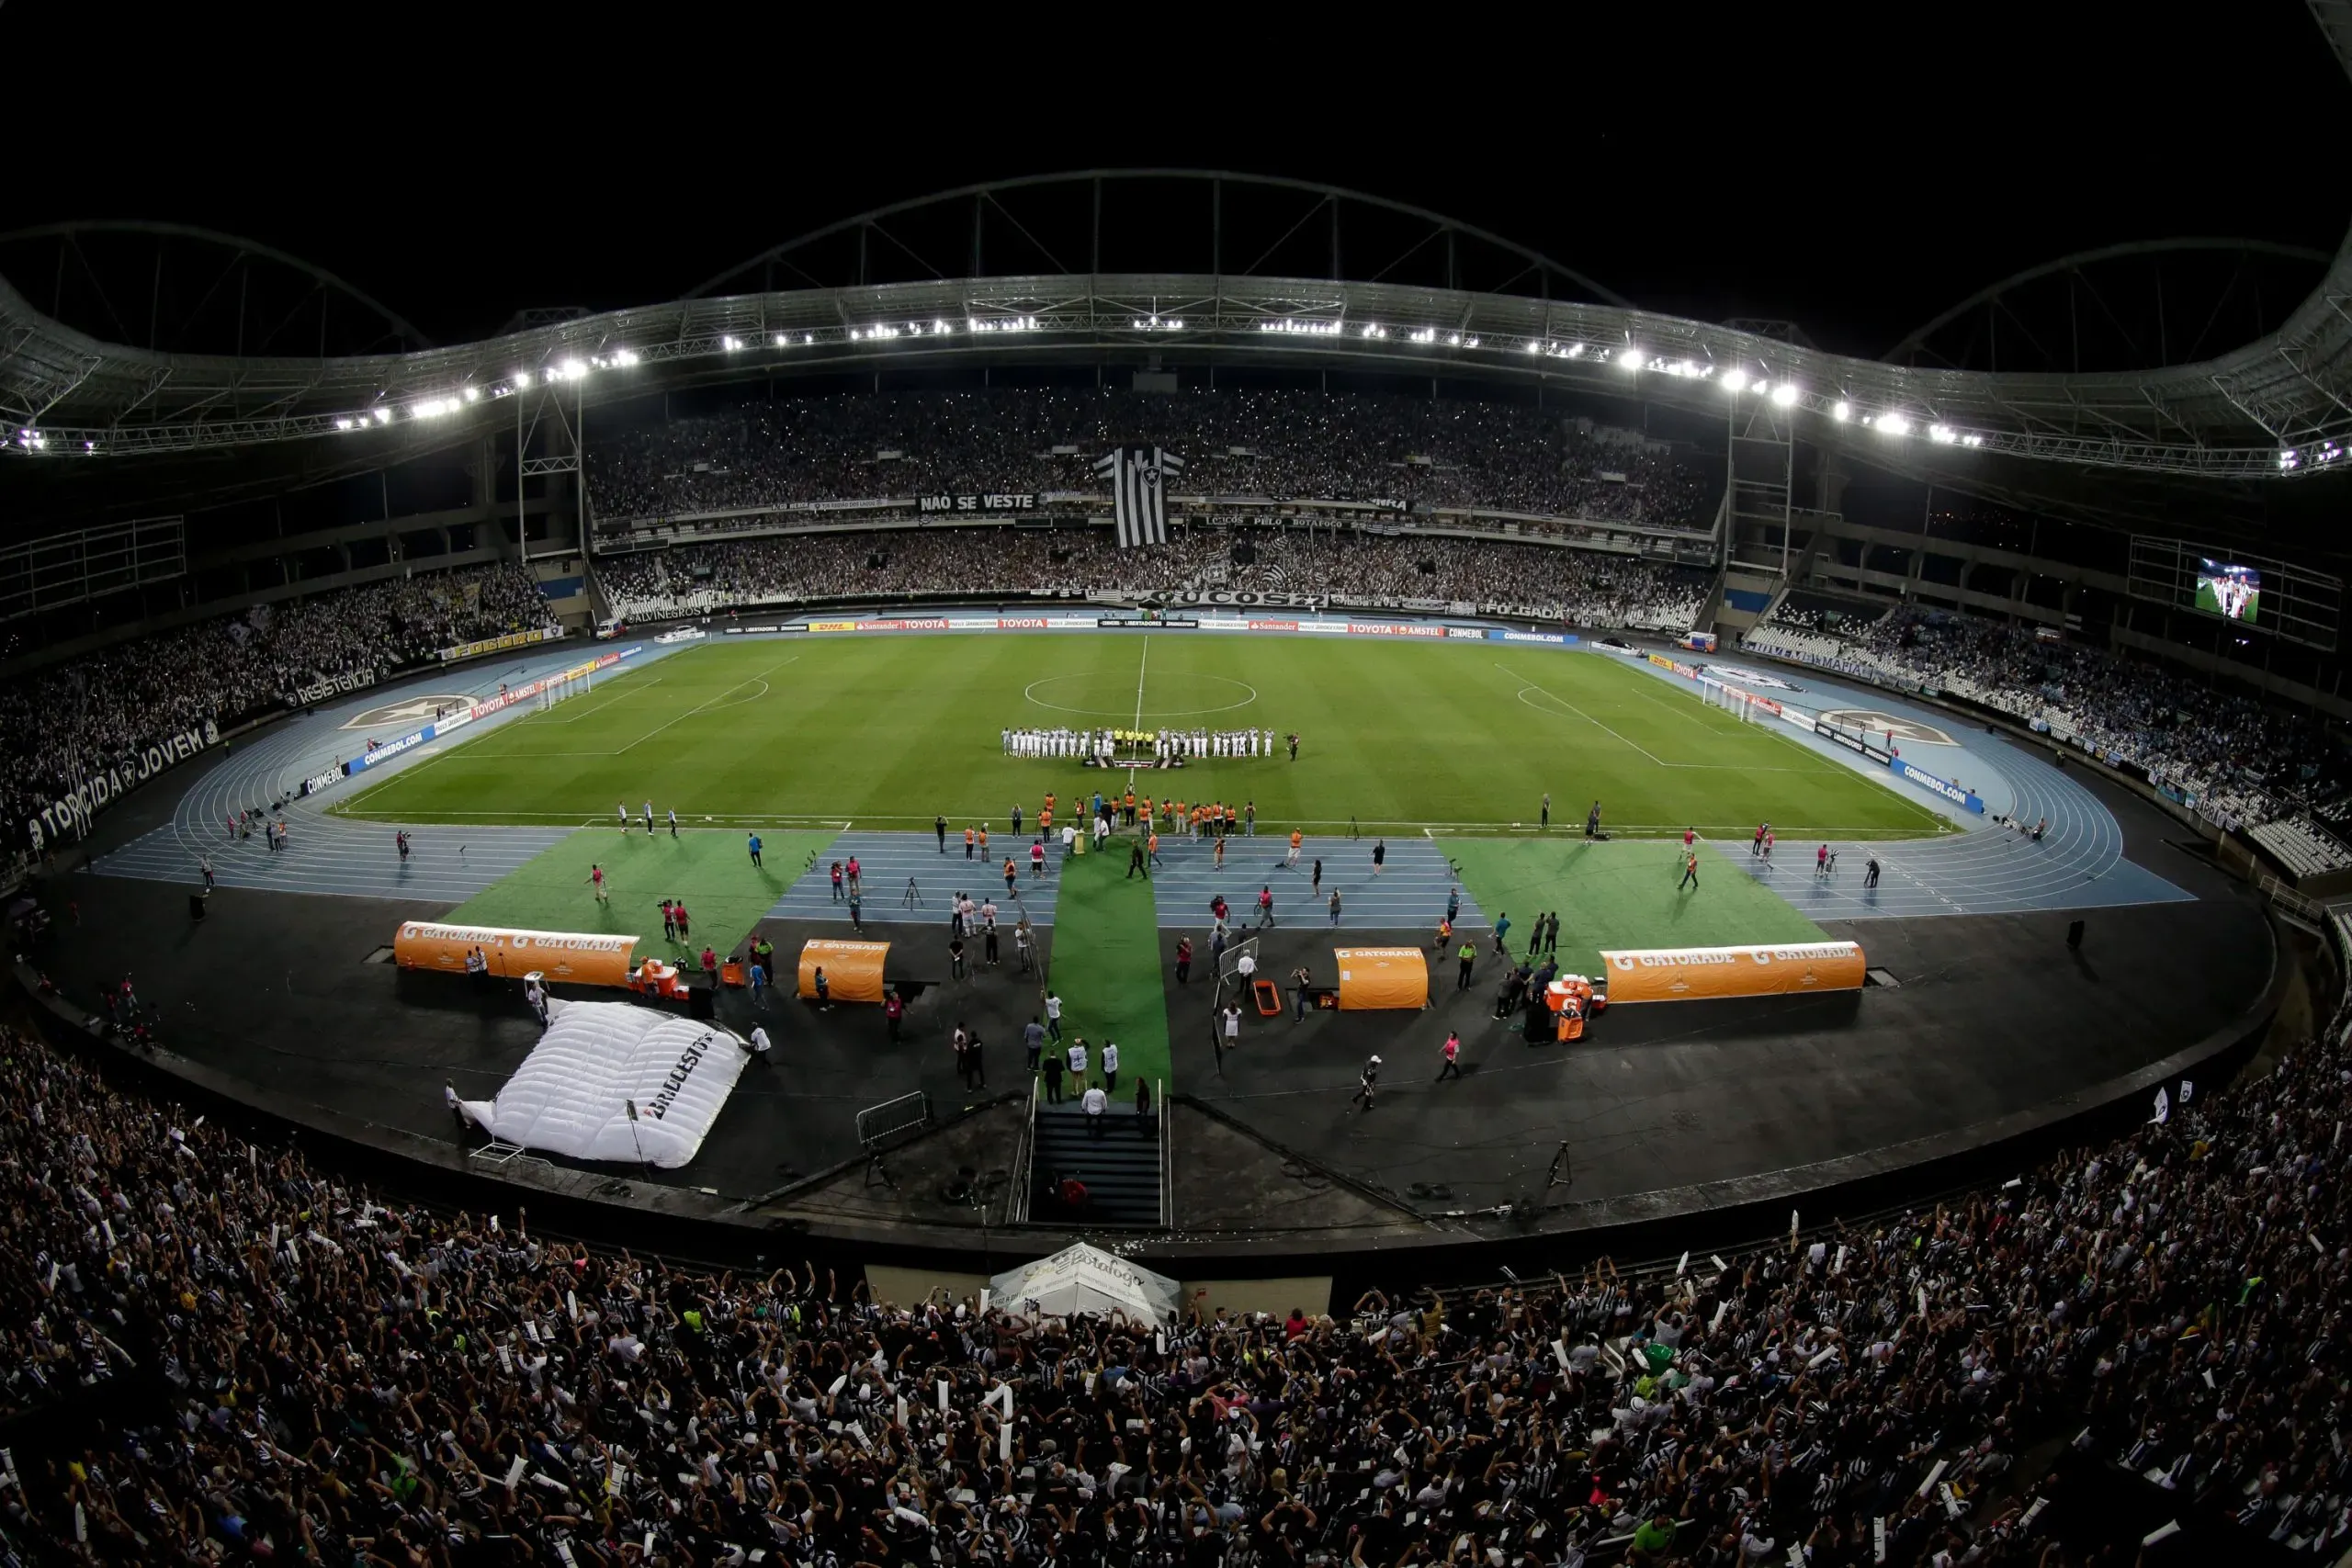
1086,1279
574,1093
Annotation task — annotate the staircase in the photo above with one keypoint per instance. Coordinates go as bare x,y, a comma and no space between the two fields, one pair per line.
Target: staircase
1121,1168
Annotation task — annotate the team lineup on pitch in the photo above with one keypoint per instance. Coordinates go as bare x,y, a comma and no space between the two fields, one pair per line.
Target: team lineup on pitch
879,731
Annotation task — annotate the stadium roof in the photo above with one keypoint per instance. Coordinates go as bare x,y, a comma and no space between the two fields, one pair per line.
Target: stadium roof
2276,409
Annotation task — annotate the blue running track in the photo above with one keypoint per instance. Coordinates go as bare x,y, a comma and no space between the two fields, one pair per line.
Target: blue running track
1407,895
887,861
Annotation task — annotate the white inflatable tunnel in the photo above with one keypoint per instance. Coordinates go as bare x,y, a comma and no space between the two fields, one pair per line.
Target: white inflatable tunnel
574,1093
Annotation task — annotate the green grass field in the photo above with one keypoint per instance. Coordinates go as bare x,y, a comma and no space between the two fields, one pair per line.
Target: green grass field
724,893
888,731
1625,894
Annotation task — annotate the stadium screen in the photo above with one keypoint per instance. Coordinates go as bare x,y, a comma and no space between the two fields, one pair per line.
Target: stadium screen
2233,593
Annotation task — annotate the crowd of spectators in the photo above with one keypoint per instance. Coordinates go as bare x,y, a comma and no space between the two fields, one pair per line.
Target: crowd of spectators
1288,445
2239,761
71,721
324,1374
1537,581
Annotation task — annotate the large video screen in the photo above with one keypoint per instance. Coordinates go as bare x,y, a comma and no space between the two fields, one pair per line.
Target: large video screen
2231,591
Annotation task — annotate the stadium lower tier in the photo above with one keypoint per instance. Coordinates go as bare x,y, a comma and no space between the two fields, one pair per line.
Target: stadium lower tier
1981,1037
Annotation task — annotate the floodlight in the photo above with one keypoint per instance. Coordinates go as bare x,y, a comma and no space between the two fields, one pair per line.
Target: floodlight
1576,350
1841,411
522,379
383,416
1630,357
345,425
1894,425
472,394
1941,432
1535,346
1785,393
1469,342
1735,378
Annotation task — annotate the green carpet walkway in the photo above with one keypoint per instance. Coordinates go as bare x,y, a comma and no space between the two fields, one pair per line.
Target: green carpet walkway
1623,893
1107,963
723,891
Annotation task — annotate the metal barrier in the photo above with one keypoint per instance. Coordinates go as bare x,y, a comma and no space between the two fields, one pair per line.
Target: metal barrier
1024,1155
876,1124
892,1117
2300,905
1167,1161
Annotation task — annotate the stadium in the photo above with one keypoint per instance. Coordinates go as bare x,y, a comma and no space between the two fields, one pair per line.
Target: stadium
1276,881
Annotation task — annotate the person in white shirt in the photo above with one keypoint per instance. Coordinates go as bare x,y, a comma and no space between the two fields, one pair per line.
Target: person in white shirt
1077,1055
1110,1065
1069,838
1096,1102
760,1043
1247,968
1054,1014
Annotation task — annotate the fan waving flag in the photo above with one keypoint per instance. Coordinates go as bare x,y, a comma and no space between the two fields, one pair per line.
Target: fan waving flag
1139,477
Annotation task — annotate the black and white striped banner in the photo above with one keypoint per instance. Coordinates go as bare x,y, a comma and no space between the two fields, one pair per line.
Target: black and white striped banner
1138,477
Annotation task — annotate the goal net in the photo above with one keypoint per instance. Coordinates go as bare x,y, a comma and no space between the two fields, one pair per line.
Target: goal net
571,686
1732,702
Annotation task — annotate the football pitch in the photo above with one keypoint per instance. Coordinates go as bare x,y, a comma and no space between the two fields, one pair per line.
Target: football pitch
891,732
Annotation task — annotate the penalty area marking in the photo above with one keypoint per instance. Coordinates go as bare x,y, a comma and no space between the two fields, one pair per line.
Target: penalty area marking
700,708
1029,693
622,695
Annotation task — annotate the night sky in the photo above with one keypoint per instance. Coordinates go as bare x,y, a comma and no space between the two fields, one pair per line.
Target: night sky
1854,171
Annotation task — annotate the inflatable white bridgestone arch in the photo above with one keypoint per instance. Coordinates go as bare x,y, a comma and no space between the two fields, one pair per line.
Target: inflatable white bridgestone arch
571,1095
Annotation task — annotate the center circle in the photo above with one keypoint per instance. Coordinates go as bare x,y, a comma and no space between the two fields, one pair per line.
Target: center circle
1128,714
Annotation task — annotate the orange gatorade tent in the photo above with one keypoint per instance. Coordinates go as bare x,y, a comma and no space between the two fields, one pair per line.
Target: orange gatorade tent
1372,977
1697,973
578,958
853,969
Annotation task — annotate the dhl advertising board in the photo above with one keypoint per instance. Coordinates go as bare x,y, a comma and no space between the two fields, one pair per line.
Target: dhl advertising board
578,958
1699,974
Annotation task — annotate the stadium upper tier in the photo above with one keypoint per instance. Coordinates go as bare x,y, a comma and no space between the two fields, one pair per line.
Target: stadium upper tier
802,453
